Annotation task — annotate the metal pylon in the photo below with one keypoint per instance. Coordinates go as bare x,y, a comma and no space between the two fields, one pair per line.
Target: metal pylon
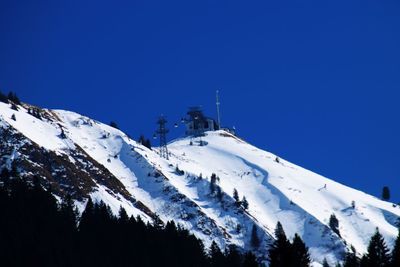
162,132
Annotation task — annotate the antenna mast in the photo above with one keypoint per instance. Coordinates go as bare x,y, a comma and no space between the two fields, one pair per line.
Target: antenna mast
218,115
162,132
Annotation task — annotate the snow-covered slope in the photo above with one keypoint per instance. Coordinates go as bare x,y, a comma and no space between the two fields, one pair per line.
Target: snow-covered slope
151,187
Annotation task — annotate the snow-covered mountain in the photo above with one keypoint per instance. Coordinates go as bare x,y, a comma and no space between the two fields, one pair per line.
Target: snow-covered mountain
83,157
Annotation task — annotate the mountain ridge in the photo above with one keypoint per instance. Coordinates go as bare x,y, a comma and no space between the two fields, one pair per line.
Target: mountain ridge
146,185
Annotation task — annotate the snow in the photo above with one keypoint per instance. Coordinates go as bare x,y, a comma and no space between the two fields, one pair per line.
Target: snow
281,191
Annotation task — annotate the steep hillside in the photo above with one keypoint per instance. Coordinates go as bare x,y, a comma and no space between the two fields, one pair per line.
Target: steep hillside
83,157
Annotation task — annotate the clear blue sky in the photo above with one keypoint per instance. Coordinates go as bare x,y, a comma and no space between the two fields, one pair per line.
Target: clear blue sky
317,82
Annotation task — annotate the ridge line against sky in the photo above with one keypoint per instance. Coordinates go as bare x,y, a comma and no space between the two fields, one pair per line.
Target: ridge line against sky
316,83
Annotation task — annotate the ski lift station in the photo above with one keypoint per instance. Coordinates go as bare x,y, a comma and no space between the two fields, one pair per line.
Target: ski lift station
197,124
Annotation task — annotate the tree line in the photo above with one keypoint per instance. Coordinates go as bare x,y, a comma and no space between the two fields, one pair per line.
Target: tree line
37,230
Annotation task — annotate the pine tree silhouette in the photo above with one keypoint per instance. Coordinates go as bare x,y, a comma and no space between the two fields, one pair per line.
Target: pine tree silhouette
325,263
280,249
385,193
245,203
334,224
351,259
300,255
395,257
377,252
250,260
3,98
236,197
255,240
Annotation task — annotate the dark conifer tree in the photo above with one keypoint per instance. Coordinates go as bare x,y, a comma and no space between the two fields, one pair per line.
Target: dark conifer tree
213,182
114,125
245,203
236,197
233,257
377,253
220,195
351,259
122,215
69,212
300,255
255,240
325,263
250,260
62,134
334,224
216,256
364,261
145,142
395,257
87,217
3,98
14,98
13,117
141,139
280,249
385,193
